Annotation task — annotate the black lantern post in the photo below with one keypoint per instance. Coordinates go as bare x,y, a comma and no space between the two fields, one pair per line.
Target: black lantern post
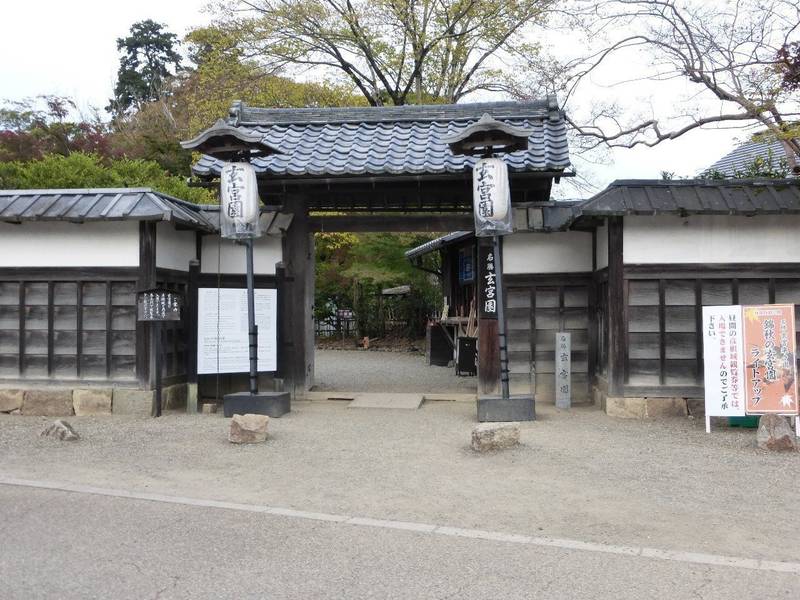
239,220
492,209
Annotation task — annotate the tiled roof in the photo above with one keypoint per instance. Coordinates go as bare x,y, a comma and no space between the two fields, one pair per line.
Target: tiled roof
394,140
80,205
698,196
742,157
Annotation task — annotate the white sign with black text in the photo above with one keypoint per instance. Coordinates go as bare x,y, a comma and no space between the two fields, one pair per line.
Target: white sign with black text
723,356
563,369
222,332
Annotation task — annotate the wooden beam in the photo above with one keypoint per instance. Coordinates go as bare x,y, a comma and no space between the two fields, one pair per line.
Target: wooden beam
146,279
392,223
616,309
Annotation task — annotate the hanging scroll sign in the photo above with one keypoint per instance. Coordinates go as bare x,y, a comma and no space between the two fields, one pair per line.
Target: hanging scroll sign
491,198
239,203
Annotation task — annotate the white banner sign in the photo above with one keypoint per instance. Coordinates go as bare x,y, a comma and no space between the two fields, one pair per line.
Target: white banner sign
222,333
723,353
491,197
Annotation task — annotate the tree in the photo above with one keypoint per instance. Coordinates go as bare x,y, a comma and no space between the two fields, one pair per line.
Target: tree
79,170
34,127
731,51
392,51
789,65
148,60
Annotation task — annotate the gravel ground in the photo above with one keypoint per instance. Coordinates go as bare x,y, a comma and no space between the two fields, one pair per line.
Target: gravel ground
577,474
373,371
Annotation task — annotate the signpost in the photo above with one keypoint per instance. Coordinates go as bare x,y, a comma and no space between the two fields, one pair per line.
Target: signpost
563,372
750,361
156,306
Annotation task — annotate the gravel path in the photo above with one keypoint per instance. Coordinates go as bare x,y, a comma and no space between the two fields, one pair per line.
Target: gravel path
372,371
578,474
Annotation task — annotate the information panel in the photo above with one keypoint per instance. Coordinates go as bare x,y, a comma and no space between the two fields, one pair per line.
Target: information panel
222,335
769,346
724,361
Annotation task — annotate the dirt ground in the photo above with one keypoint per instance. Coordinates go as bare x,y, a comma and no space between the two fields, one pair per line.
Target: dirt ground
577,474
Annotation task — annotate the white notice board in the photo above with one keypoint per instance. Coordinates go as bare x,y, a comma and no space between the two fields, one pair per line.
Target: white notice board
723,355
222,336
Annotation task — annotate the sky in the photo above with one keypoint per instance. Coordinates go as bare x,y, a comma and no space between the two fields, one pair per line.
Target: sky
69,49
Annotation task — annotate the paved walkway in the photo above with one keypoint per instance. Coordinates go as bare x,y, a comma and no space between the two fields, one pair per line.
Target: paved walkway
374,371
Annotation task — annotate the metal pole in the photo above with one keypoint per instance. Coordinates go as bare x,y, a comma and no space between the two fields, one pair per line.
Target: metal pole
251,319
501,316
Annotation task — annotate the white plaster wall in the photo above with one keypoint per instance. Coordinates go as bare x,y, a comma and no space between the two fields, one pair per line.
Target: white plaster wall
60,244
267,252
560,252
711,239
174,249
602,246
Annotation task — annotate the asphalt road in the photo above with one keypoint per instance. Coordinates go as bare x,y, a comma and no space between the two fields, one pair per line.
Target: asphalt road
59,544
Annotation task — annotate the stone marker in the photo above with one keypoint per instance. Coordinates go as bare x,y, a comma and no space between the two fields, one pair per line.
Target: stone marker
248,429
10,400
47,403
775,433
96,401
132,402
494,436
61,430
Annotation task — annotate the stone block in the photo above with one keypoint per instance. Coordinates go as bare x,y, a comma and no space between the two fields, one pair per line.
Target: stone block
626,408
775,433
92,401
61,430
696,407
665,407
174,396
209,408
191,398
248,429
11,400
487,437
127,401
47,402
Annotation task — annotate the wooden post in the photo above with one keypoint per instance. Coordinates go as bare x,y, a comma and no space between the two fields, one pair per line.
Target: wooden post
488,342
145,351
298,258
616,310
190,327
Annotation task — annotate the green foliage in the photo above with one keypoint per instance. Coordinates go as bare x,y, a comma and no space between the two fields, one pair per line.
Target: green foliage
352,269
148,55
80,170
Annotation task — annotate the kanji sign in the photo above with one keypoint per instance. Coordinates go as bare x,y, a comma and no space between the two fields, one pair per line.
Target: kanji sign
769,348
491,197
158,305
239,203
563,369
488,283
724,361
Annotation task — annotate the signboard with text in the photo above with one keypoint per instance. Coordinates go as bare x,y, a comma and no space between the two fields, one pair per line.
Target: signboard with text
749,356
487,300
563,369
769,346
222,331
158,305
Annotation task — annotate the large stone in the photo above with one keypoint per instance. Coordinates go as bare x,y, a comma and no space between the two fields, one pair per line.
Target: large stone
95,401
248,429
127,401
61,430
626,408
665,407
174,396
775,433
47,403
209,408
494,436
11,400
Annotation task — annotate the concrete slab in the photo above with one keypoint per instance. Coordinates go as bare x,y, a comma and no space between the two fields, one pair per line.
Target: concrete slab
377,400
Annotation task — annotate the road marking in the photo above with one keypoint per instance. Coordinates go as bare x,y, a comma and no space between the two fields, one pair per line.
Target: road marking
714,560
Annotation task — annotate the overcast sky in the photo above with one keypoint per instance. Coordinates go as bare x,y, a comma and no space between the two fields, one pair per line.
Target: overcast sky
69,48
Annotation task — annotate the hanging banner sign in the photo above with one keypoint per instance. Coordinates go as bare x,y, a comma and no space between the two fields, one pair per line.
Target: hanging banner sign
724,361
491,198
239,204
769,347
222,330
487,286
